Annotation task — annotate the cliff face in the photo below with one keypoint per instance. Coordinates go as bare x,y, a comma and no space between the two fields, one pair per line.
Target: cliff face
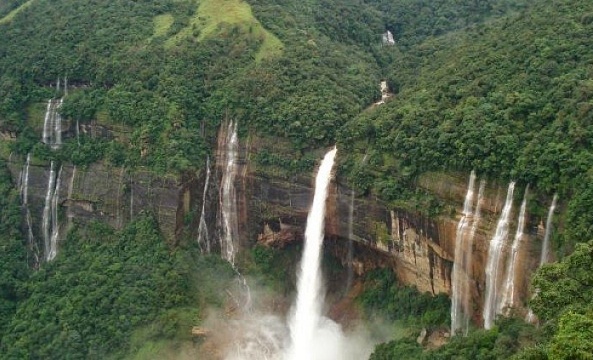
272,208
420,250
111,195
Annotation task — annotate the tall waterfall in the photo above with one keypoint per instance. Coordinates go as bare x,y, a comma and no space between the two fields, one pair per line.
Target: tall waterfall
52,122
545,256
228,200
55,226
508,295
69,213
46,219
203,239
24,189
460,277
49,221
307,316
494,260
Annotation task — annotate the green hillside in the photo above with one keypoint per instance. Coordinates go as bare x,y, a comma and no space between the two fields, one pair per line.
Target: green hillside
501,87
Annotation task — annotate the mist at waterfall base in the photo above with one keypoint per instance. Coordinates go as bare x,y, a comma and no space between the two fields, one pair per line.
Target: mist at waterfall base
305,333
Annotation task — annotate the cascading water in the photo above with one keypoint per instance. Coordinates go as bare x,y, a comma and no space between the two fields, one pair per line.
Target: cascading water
228,201
25,201
460,277
46,219
307,315
545,256
69,213
476,217
508,295
310,335
55,228
52,123
203,239
46,123
494,259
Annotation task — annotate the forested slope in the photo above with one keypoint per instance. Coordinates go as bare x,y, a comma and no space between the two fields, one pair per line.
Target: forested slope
501,87
510,99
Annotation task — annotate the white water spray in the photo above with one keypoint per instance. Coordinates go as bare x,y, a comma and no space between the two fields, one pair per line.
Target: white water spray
46,219
494,259
508,295
203,238
460,276
55,228
545,256
25,202
307,317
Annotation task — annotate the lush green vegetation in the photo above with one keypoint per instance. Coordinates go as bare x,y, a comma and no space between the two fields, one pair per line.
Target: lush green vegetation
562,304
383,296
13,254
103,287
502,87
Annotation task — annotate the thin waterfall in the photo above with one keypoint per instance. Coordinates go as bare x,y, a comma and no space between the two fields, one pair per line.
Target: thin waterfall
25,181
55,227
307,316
58,125
228,201
70,214
203,238
545,256
494,259
47,211
46,123
508,295
460,277
24,189
467,303
52,122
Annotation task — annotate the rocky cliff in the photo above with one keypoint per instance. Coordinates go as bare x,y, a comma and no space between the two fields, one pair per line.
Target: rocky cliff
272,207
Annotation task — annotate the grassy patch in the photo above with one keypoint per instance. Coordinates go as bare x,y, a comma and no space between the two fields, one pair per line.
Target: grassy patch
13,13
162,24
36,116
212,15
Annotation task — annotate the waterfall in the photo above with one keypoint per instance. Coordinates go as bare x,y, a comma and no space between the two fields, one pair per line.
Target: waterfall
69,214
203,239
546,245
58,126
228,201
52,122
46,219
460,275
49,224
545,256
307,316
25,181
24,189
46,123
494,259
508,295
55,227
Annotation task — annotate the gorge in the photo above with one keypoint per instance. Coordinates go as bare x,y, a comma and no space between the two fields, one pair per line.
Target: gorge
157,166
